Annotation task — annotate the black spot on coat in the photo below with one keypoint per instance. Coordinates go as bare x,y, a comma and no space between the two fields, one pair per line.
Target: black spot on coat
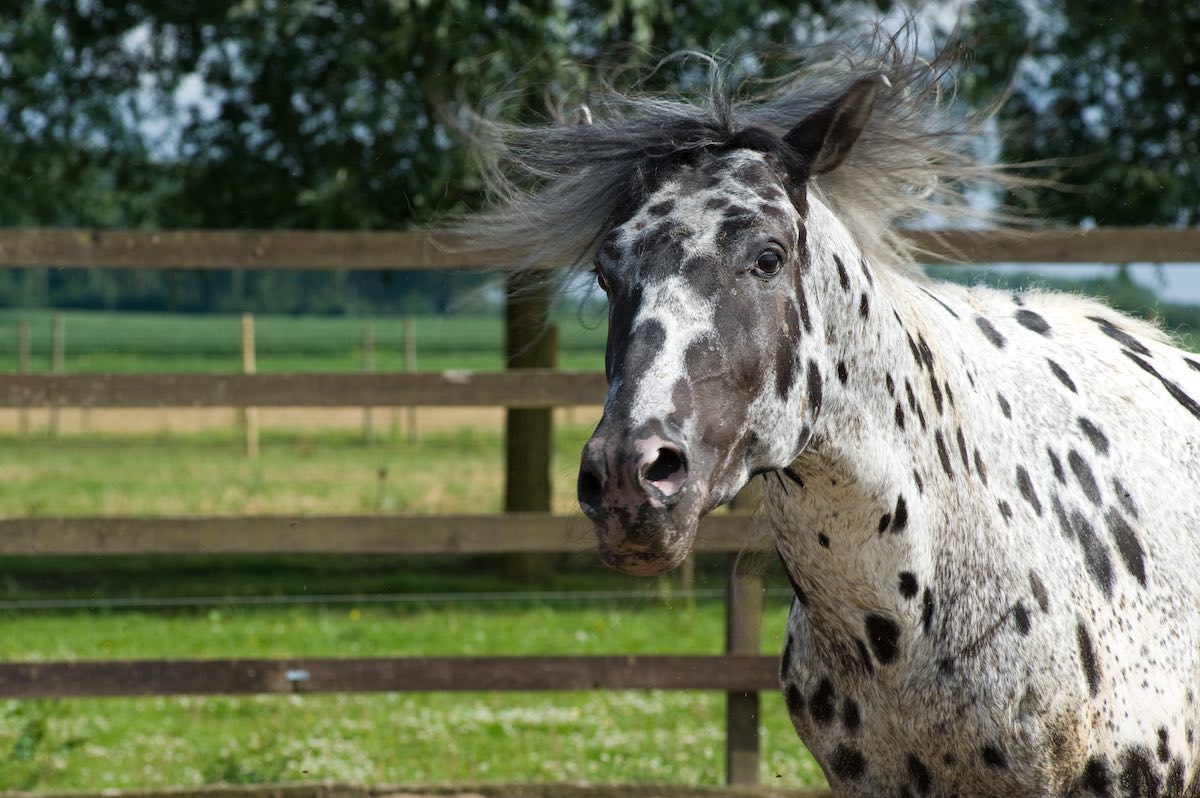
815,396
994,757
1083,474
851,720
990,332
1124,497
921,779
1128,545
820,706
864,306
962,451
1096,777
1021,618
1064,522
908,584
927,610
793,700
1177,393
900,515
842,373
1025,486
1095,553
802,302
1039,592
943,455
847,763
926,352
1117,334
1004,406
1087,659
980,468
883,634
1098,439
843,278
1062,375
1056,466
1033,321
936,390
1139,775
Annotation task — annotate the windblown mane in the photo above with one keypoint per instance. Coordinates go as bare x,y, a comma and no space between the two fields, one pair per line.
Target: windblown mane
556,187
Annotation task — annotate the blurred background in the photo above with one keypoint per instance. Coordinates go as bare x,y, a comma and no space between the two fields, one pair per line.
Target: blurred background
261,115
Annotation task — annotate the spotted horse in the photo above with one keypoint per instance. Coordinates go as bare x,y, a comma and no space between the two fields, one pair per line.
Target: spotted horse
985,502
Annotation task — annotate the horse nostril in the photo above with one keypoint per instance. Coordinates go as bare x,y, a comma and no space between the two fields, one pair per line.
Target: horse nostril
667,463
590,489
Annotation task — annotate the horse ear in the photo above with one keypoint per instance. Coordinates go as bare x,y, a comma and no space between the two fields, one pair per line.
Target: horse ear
824,138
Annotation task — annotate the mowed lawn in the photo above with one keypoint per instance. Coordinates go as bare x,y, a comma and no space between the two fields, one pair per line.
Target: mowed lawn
375,739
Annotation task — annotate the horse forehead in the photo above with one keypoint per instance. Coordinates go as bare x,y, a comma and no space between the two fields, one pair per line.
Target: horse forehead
692,206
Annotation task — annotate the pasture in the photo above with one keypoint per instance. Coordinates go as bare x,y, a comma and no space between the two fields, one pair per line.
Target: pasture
396,738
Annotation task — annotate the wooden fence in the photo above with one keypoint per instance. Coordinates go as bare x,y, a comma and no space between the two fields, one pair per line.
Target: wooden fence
741,672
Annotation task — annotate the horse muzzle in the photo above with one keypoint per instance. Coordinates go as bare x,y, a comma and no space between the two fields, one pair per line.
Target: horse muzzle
644,496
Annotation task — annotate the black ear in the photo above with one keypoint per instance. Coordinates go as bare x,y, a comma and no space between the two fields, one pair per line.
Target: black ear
823,138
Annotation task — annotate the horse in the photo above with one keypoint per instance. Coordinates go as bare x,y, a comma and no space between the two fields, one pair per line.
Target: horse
984,500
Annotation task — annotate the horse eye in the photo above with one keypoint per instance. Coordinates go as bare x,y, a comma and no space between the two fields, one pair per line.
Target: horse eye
600,281
769,262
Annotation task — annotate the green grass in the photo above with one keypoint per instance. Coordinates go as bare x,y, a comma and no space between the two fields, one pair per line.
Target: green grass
305,474
622,736
122,342
155,742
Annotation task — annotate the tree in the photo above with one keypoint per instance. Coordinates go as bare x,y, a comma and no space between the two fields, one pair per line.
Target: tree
1113,89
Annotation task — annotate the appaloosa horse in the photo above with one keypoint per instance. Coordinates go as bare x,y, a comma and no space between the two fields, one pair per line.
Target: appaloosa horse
986,502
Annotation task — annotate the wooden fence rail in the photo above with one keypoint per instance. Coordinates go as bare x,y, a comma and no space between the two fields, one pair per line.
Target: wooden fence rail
527,388
307,249
740,673
406,535
729,672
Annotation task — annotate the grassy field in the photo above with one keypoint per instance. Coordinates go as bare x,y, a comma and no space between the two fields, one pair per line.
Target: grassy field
397,738
160,342
634,736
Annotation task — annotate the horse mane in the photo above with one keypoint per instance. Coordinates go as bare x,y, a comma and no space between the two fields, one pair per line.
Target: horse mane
555,187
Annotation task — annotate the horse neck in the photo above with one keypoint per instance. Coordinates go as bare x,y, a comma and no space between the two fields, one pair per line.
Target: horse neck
850,517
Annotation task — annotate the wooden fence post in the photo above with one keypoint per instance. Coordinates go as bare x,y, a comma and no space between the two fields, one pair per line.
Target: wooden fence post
743,624
530,342
249,366
58,363
24,356
368,365
410,366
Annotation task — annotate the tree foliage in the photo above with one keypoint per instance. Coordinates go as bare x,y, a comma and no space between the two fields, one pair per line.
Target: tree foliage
321,114
1110,88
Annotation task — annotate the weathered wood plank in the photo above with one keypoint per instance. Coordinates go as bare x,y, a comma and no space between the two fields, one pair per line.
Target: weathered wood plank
374,534
228,249
748,672
1098,245
308,249
529,388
